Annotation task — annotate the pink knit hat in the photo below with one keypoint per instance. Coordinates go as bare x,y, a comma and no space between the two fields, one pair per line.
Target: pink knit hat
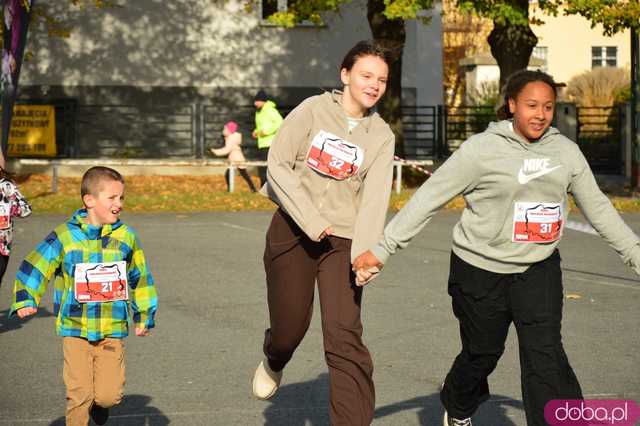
231,126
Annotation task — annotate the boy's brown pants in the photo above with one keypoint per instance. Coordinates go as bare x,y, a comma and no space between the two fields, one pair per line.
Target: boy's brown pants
293,262
93,372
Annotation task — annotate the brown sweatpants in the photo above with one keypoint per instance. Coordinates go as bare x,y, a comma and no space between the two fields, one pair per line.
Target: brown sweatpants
93,372
293,263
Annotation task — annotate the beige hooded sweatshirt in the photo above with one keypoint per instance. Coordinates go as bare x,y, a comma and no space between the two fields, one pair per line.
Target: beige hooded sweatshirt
232,148
321,174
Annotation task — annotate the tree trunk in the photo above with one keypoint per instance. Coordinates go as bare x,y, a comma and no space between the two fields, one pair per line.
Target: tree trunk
511,45
391,34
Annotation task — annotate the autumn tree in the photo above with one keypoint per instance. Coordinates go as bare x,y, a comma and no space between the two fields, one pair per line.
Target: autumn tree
512,39
54,25
463,35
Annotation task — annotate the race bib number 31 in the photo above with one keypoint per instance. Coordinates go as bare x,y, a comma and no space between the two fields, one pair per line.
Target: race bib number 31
537,222
333,156
101,282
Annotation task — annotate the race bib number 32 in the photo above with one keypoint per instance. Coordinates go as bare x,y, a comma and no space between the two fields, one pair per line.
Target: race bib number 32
536,222
333,156
101,282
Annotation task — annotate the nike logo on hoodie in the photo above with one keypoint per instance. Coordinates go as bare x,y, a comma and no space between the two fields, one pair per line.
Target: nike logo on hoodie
536,167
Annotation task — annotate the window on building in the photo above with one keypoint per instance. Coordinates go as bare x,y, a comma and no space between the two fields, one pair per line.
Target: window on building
541,52
604,56
269,7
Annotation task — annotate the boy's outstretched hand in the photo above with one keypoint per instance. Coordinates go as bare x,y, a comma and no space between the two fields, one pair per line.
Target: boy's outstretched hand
25,312
142,331
366,266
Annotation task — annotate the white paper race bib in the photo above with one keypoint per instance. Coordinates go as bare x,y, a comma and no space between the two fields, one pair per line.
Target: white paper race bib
5,215
333,156
101,282
536,222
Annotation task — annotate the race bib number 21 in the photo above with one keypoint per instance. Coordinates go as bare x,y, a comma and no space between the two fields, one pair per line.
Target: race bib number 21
101,282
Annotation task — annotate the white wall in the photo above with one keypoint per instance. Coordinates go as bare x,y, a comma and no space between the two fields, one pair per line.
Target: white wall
478,79
427,67
569,40
200,43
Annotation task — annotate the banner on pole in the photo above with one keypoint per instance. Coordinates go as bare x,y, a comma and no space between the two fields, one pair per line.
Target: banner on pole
15,23
33,131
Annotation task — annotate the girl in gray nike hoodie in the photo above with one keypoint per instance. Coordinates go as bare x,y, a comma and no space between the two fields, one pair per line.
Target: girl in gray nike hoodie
515,178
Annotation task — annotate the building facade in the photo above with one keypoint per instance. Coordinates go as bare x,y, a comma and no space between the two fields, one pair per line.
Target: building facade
569,46
197,57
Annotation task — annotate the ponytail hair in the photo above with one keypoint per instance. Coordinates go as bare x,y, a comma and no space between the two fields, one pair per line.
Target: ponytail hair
514,85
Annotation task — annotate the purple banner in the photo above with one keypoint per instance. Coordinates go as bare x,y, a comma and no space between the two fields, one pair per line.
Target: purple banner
15,21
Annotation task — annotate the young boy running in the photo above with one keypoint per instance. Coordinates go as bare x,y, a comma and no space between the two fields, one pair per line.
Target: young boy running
99,267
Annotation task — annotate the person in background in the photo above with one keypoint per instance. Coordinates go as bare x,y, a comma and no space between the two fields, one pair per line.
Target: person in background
232,148
268,121
12,204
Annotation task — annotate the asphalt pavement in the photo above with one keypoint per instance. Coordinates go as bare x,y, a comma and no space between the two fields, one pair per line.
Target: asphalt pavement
196,367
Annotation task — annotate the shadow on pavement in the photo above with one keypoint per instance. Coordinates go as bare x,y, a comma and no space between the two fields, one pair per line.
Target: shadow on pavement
307,403
300,404
595,274
10,324
430,410
134,410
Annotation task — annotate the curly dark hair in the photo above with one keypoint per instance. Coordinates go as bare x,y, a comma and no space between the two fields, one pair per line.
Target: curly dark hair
514,85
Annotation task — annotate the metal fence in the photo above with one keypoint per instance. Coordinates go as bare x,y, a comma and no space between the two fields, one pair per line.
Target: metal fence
127,131
422,128
599,134
463,122
189,131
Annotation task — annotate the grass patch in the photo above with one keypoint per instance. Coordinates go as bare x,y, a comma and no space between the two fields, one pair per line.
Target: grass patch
148,194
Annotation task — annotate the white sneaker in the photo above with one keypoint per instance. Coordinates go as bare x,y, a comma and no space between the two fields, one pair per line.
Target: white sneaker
265,381
450,421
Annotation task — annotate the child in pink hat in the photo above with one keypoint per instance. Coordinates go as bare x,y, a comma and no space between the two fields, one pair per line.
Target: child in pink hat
232,149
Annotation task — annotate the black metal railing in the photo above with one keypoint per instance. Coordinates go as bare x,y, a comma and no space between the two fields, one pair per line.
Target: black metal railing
127,131
464,121
422,131
189,131
599,134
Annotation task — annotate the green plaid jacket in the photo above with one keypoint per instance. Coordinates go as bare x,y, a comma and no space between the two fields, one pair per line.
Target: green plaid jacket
75,242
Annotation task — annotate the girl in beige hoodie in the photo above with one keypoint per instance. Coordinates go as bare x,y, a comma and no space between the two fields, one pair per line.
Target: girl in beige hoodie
232,148
329,170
